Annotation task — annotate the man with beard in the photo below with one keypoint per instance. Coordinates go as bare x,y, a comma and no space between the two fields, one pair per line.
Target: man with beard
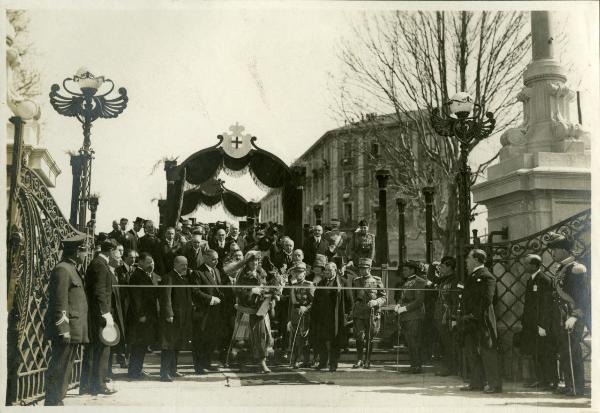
175,318
98,288
209,314
234,236
66,319
143,314
315,244
170,249
151,244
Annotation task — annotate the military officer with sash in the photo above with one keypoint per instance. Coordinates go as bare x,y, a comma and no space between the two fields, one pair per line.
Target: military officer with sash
368,298
572,295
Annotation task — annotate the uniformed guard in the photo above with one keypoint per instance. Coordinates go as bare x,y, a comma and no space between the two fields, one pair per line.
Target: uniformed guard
361,244
573,298
365,311
411,309
66,318
299,316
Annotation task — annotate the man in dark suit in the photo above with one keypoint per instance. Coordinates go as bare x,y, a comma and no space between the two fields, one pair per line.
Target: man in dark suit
316,244
194,252
142,315
208,311
234,236
98,288
412,312
131,237
479,326
66,319
220,246
170,249
175,323
119,231
536,322
151,244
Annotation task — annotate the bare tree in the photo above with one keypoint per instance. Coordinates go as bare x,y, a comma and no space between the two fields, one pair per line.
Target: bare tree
404,64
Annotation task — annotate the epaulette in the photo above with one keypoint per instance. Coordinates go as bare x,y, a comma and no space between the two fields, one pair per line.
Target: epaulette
378,278
578,268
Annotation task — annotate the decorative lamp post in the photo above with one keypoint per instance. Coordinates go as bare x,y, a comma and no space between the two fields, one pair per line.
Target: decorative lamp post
382,250
428,191
318,208
401,203
463,119
87,105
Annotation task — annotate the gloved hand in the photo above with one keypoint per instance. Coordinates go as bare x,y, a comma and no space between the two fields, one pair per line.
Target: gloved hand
570,323
289,326
109,319
302,309
399,309
452,324
372,303
541,332
256,290
143,319
66,338
215,300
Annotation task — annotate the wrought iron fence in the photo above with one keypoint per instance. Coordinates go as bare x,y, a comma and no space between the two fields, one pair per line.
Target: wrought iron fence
36,229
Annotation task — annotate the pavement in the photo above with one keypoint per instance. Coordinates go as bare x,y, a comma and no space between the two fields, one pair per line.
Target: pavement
383,386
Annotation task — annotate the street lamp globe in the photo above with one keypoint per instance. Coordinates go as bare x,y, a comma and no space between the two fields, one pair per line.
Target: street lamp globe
461,104
87,82
26,109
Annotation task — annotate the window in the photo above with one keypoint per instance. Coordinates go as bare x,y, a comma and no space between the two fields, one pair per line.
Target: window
348,150
347,212
375,150
348,180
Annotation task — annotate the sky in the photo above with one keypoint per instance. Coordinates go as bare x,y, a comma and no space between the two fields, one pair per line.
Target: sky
190,74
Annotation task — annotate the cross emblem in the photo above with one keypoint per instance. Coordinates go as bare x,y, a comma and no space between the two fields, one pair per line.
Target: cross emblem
237,142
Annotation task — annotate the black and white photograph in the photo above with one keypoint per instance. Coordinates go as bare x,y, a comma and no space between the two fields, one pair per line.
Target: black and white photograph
309,206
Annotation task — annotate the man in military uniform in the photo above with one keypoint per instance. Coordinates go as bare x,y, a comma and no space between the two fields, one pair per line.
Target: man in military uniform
573,298
365,311
536,320
445,313
361,244
412,312
299,316
66,319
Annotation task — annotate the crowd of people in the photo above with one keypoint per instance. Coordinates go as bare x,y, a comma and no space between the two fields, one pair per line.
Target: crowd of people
221,294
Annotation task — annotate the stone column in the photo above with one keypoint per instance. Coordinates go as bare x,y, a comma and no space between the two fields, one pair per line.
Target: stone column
543,175
401,203
428,191
382,246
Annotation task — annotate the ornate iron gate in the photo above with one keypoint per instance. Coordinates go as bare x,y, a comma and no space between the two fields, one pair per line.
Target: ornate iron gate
36,227
505,260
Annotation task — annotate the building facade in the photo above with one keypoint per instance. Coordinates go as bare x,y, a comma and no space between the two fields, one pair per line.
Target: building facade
340,176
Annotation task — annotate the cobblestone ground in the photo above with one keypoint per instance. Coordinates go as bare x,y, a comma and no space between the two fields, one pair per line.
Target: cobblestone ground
383,386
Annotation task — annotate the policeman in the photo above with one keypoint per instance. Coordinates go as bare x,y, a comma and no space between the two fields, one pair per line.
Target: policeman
299,315
361,244
367,301
66,318
412,312
573,297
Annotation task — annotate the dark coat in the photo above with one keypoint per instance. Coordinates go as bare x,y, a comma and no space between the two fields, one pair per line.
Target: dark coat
152,245
131,241
118,236
537,311
176,303
280,258
144,302
311,248
221,252
117,304
413,299
479,318
67,300
208,317
195,258
98,288
169,252
328,311
240,241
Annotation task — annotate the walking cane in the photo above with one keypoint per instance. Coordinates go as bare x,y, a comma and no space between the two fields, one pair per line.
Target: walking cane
571,362
397,342
238,318
368,358
294,339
